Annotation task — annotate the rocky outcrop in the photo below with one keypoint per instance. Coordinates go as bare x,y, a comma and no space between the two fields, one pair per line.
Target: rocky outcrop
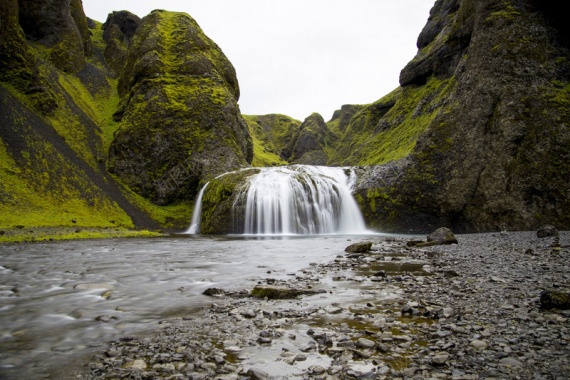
307,147
494,148
180,122
18,62
118,31
52,24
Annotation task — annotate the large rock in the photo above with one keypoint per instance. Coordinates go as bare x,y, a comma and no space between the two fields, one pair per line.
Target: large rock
547,231
281,292
442,235
180,119
361,247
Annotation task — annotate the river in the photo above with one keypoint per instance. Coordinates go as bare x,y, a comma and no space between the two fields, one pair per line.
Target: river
58,299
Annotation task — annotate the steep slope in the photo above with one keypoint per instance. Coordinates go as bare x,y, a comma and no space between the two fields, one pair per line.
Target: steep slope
55,125
179,118
489,92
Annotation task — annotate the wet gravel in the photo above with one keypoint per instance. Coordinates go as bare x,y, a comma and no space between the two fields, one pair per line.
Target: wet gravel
465,311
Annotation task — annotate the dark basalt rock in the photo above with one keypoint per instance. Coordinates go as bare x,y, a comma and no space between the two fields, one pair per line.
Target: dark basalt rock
554,299
361,247
118,31
547,231
50,23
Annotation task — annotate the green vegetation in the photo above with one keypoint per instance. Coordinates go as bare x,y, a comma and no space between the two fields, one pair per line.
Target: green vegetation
269,134
388,129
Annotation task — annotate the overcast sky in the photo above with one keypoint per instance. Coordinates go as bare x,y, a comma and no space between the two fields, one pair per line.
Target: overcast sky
296,57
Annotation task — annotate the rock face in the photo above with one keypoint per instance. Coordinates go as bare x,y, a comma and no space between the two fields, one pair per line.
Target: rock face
307,147
491,87
118,32
52,24
180,121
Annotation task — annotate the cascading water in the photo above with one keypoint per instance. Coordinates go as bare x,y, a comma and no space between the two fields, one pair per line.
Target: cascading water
196,216
301,200
298,199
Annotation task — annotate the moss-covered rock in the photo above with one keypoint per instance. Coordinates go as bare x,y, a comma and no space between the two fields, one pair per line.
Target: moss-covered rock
221,213
270,135
118,31
51,24
180,122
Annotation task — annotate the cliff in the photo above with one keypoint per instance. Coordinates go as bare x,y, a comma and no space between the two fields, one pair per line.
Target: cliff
179,118
484,140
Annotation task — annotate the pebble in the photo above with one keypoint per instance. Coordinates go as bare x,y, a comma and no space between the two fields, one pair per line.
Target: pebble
476,314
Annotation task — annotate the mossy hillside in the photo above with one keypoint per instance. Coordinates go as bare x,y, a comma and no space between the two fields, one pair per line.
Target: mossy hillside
180,123
273,133
264,151
40,187
388,129
218,213
52,163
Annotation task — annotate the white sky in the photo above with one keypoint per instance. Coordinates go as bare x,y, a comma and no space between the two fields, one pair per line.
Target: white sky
296,57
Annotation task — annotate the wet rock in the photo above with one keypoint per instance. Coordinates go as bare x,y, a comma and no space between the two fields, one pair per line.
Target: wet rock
214,292
442,235
365,343
257,374
554,299
511,362
281,292
547,231
361,247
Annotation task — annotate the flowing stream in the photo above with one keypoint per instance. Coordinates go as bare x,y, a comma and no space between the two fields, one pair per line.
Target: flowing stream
58,298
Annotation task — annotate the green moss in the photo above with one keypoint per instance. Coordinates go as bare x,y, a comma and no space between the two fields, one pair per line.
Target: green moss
265,153
388,129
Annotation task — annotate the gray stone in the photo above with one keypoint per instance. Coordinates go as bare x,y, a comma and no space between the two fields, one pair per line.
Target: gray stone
361,247
442,235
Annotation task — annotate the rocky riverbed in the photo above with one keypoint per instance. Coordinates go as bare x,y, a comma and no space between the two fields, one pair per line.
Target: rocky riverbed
470,310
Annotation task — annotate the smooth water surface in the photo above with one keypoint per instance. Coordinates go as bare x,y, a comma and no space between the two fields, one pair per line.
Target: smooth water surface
131,284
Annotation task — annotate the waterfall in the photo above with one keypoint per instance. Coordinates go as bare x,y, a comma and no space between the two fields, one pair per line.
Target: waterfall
302,199
293,200
196,216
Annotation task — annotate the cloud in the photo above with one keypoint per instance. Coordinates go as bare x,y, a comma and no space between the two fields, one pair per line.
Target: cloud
301,56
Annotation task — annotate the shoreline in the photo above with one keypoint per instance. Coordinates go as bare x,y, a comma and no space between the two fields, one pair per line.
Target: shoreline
23,235
465,311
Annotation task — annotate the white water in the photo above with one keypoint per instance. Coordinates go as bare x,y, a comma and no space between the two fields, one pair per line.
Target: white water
196,216
296,200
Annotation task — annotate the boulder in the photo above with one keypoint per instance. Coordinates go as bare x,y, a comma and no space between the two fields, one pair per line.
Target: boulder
442,235
281,292
361,247
554,299
547,231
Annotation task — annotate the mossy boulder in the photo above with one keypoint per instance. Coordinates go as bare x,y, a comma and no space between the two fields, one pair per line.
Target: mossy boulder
307,146
221,210
180,122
